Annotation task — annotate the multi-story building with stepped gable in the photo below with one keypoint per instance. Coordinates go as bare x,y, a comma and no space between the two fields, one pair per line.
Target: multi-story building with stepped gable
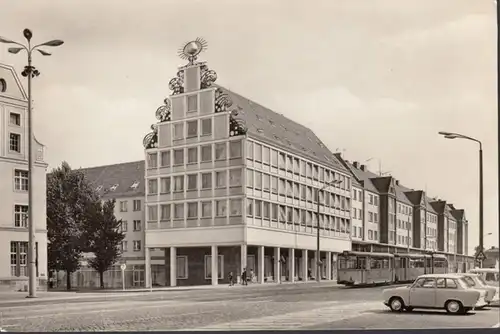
231,184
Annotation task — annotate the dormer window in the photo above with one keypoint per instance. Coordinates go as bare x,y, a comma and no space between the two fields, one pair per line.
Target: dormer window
113,188
135,185
99,188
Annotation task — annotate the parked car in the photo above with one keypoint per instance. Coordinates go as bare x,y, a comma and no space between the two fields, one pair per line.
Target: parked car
436,291
489,277
474,280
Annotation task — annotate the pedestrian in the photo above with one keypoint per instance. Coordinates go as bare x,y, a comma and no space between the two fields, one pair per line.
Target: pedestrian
309,273
244,277
252,275
230,277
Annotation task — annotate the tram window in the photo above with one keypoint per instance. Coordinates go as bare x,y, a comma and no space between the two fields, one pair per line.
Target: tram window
347,263
385,264
361,263
375,264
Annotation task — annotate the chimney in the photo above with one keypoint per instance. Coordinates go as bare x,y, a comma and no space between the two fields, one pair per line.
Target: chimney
355,164
363,167
397,182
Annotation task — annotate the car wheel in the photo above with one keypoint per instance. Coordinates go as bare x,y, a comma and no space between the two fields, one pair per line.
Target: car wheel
396,304
454,307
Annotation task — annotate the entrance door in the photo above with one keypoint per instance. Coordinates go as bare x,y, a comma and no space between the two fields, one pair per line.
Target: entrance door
138,277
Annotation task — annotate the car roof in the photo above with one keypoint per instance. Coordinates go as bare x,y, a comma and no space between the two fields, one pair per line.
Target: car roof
457,275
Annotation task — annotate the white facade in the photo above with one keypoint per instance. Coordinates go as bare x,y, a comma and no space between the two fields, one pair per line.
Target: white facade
14,188
357,211
372,216
431,231
404,220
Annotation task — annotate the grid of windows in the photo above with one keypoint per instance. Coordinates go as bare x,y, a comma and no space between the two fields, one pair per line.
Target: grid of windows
21,180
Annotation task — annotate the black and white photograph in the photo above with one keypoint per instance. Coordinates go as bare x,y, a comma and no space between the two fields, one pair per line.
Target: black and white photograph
189,165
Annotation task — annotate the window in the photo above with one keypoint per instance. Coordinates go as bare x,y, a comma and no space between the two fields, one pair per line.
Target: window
375,217
208,267
192,103
137,223
221,208
266,210
124,226
15,119
165,212
258,152
182,267
21,180
282,160
206,209
274,184
451,284
123,206
258,209
206,181
235,177
18,258
15,142
258,180
179,183
249,207
192,182
235,149
137,205
265,155
179,157
192,210
165,185
220,151
137,245
250,150
152,187
192,129
192,155
206,127
266,179
179,211
152,213
206,153
249,178
20,215
426,283
152,160
179,130
274,211
165,159
220,179
274,158
124,246
235,207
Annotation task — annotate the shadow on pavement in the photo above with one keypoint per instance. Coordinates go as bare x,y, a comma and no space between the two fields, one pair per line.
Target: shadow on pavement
422,312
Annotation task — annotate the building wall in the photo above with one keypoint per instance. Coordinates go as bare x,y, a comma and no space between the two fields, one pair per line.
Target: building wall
357,213
431,231
372,217
13,227
404,224
452,235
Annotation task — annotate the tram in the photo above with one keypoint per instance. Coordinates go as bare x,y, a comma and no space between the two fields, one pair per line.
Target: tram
369,268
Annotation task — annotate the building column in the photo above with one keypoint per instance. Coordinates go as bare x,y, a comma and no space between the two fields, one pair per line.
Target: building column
173,266
305,268
277,272
291,265
243,259
147,268
260,263
328,266
315,264
215,265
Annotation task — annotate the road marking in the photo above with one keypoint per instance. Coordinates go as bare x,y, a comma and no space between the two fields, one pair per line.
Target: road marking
496,326
295,320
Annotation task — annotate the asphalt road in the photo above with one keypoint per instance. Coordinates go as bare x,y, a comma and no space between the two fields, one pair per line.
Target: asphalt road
283,307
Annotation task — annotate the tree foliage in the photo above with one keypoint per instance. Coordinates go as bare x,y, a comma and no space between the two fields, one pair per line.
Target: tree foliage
70,201
105,237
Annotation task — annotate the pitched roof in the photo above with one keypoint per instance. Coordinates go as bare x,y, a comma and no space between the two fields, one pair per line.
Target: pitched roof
122,175
364,176
266,125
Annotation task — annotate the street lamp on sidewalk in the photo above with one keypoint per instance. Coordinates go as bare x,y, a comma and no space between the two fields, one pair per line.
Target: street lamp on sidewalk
318,257
30,71
452,135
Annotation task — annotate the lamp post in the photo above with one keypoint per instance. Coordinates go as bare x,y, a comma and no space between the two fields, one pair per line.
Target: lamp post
30,71
318,257
452,135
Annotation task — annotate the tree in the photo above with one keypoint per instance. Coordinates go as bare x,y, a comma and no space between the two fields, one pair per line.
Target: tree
69,198
104,237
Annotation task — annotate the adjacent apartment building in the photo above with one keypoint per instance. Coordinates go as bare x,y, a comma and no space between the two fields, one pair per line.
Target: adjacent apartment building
14,188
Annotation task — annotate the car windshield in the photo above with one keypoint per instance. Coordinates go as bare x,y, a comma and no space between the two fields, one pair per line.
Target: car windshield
482,280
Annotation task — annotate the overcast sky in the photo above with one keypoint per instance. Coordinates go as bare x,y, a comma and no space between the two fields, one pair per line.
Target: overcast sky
373,78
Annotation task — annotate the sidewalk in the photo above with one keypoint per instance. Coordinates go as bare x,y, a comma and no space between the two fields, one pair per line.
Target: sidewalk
20,297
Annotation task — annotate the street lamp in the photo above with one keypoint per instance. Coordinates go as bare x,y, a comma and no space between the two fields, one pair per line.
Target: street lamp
30,72
318,257
452,135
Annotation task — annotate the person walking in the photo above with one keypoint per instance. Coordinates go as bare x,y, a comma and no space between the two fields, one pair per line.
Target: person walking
244,277
231,278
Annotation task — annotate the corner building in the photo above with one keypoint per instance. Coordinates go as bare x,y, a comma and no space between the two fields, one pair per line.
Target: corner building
231,184
14,189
